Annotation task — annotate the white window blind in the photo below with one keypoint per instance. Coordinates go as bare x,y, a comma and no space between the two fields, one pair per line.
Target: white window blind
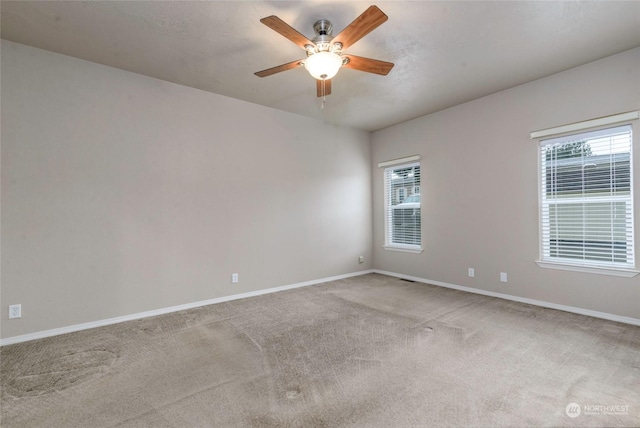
586,199
402,207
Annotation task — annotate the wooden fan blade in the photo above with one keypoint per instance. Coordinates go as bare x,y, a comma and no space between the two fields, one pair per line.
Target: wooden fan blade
367,64
360,27
281,27
323,87
284,67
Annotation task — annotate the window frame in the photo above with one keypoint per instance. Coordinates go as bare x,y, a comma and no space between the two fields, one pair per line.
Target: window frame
388,224
584,265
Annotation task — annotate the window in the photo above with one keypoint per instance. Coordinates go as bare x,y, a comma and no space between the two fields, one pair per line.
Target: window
402,212
586,199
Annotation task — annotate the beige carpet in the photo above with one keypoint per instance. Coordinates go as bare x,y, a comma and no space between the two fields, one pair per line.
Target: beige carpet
370,351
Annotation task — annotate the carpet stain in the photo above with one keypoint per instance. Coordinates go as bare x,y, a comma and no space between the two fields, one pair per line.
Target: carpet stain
60,373
293,393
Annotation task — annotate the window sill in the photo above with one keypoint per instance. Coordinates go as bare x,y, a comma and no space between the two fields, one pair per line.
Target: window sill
405,249
627,273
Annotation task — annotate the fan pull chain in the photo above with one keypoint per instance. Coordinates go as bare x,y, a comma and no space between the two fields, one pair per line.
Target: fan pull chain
324,95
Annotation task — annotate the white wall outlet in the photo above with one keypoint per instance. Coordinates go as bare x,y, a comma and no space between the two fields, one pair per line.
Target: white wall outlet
15,311
361,259
503,277
472,272
234,278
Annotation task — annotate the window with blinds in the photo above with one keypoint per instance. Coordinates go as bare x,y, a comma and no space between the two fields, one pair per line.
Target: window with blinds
586,199
402,206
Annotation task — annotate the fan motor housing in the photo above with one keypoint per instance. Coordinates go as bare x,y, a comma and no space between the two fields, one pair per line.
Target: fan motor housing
324,34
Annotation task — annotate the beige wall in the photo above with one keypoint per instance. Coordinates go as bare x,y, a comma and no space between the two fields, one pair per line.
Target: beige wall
123,194
479,187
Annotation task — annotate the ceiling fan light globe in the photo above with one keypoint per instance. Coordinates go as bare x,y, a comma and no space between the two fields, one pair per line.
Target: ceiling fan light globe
323,65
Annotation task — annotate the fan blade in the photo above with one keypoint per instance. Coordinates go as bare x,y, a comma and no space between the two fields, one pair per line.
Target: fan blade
323,87
284,67
281,27
367,64
360,27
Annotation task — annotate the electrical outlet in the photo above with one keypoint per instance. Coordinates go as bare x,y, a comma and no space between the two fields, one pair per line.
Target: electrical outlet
503,277
472,272
15,311
234,278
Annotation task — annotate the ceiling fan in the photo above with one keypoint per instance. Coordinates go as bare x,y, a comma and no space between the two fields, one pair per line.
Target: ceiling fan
325,53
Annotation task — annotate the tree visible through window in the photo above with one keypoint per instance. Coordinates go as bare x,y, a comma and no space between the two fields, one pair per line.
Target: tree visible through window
586,200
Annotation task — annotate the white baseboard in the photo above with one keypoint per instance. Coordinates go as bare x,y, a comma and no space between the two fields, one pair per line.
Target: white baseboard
162,311
588,312
155,312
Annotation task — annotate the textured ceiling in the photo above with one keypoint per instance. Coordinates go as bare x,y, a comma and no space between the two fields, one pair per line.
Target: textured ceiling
445,53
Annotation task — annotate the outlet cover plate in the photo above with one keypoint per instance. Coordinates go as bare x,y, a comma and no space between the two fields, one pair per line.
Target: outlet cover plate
15,311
